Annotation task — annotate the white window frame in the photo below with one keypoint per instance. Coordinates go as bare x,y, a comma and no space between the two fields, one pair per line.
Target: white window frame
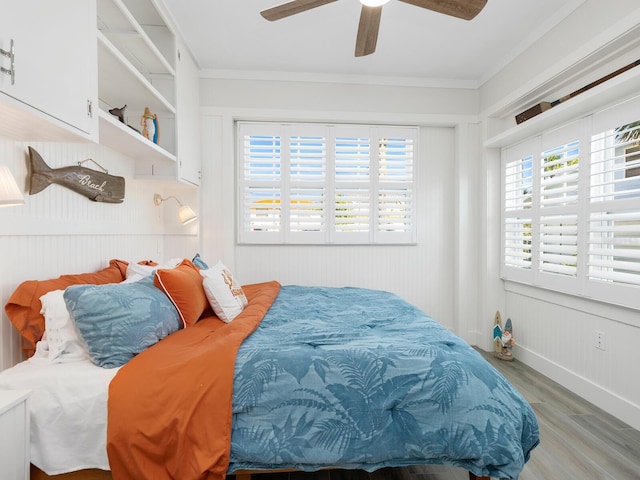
343,159
592,218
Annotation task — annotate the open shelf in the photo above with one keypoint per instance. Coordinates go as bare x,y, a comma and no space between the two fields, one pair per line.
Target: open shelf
136,59
119,81
117,23
119,137
615,90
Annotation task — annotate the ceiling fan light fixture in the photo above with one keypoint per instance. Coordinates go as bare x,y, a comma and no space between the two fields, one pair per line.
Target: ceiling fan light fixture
373,3
369,24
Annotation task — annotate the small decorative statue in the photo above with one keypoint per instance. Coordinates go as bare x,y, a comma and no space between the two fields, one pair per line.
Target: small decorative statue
503,339
507,343
148,121
118,112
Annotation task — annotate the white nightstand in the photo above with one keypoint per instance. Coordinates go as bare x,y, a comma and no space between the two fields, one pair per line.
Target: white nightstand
14,434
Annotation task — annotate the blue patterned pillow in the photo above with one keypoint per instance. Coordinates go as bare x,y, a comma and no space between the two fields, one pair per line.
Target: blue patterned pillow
118,321
199,262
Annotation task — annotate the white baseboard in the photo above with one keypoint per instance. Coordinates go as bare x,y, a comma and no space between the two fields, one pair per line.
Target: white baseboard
610,402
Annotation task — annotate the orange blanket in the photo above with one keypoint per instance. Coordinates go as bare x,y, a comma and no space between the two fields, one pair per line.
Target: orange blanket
170,408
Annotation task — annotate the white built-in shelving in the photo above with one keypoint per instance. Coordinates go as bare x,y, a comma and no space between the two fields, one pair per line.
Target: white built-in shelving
142,64
98,55
136,68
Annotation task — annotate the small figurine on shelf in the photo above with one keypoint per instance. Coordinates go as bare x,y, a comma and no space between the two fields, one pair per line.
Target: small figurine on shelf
118,112
149,122
156,135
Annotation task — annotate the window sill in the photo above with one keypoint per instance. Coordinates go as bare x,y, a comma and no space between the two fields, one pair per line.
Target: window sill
620,313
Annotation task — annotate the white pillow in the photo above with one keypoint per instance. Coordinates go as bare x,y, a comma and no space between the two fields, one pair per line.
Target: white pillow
65,345
136,272
224,293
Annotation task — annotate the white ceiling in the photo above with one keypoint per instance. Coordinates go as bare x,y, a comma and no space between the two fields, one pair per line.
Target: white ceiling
415,46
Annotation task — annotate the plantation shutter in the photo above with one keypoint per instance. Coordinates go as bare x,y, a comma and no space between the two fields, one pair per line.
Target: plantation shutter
558,220
518,211
307,177
260,183
614,200
352,183
310,183
395,187
571,207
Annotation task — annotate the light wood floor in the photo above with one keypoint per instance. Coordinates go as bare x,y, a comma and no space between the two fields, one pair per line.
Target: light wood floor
578,441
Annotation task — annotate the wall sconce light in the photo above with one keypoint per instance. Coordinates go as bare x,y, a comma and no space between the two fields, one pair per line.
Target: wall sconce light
10,194
185,213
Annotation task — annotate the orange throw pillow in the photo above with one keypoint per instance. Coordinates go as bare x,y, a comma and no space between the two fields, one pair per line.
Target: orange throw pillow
183,286
23,308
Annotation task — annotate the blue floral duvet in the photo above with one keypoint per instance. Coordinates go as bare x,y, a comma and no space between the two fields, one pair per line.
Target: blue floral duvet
357,378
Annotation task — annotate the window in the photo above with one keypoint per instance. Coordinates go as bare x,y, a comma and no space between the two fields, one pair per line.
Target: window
314,183
571,208
614,211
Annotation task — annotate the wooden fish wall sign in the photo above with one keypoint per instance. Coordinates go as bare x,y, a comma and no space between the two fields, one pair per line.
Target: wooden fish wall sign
95,185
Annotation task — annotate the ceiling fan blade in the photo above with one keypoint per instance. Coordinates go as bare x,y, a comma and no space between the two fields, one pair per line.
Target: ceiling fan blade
291,8
465,9
368,30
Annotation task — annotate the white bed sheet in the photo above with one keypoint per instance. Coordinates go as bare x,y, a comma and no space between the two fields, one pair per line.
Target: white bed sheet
68,407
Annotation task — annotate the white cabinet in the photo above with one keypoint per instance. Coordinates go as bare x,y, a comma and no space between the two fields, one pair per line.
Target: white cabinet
14,434
53,69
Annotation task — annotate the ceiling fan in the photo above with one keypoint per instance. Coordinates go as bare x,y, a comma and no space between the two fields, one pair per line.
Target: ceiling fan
371,13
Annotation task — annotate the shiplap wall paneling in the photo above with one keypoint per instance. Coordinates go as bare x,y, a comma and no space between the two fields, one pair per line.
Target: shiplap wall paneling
59,210
40,257
58,231
556,335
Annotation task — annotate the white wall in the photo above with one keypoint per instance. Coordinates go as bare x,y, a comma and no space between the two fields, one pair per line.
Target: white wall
328,99
59,231
429,274
555,333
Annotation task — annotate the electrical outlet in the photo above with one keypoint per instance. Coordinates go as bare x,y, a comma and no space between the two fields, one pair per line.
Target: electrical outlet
600,340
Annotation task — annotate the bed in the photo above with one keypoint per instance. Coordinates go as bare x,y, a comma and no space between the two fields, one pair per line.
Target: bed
303,378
